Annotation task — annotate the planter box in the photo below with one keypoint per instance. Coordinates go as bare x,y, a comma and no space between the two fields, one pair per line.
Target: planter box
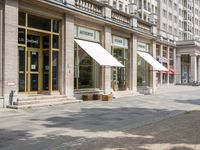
107,97
97,96
87,97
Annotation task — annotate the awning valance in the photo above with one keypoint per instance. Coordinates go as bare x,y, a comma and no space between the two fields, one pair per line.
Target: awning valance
98,53
152,61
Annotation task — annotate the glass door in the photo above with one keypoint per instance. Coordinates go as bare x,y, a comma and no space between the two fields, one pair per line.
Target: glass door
120,74
34,70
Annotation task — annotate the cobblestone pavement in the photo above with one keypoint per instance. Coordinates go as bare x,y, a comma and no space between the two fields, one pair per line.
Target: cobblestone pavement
81,125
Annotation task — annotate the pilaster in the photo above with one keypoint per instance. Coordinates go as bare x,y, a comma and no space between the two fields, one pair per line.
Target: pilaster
69,56
168,64
10,49
178,69
174,58
153,72
161,55
193,67
107,70
1,32
133,64
198,73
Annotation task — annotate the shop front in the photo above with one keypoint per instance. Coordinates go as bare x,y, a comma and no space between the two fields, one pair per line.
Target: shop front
38,54
90,58
143,67
185,69
146,65
120,51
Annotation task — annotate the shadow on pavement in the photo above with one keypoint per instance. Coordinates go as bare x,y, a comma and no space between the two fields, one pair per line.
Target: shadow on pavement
193,101
95,129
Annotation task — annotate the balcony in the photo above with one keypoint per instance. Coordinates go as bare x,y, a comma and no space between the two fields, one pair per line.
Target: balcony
89,6
143,26
120,17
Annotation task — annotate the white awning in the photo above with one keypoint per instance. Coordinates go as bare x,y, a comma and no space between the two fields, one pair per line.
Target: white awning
98,53
152,61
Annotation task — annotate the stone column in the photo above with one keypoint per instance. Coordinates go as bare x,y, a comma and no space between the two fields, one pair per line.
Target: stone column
10,49
198,68
178,68
69,56
168,63
1,30
193,66
174,58
133,64
153,72
161,55
107,70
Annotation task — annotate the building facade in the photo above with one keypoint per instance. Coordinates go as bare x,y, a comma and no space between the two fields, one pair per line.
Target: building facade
59,50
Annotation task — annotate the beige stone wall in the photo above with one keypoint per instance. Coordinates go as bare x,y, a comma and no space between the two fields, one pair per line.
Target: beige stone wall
1,22
133,63
69,56
10,50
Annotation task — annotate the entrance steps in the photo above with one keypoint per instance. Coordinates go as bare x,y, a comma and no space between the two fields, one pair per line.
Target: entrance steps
121,94
42,100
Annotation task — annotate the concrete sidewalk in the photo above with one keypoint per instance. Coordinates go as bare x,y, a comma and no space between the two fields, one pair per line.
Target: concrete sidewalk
65,127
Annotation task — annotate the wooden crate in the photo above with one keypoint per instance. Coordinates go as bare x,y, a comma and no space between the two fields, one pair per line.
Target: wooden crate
97,96
87,97
107,97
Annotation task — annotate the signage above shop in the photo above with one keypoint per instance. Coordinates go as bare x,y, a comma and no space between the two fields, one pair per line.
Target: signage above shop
119,41
87,34
144,47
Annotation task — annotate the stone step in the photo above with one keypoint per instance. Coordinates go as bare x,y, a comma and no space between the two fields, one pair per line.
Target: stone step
40,97
43,104
121,94
25,102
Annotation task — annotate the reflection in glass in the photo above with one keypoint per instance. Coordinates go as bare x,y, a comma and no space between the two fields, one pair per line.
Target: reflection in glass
55,71
21,59
143,72
46,70
33,41
55,41
45,41
120,74
21,82
39,22
34,82
21,36
86,70
22,19
34,61
55,26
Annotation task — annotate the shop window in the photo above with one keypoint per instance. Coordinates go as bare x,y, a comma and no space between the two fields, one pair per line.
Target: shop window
22,19
21,60
45,70
55,71
21,36
55,26
142,72
33,41
86,70
45,41
39,23
55,41
120,74
35,52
